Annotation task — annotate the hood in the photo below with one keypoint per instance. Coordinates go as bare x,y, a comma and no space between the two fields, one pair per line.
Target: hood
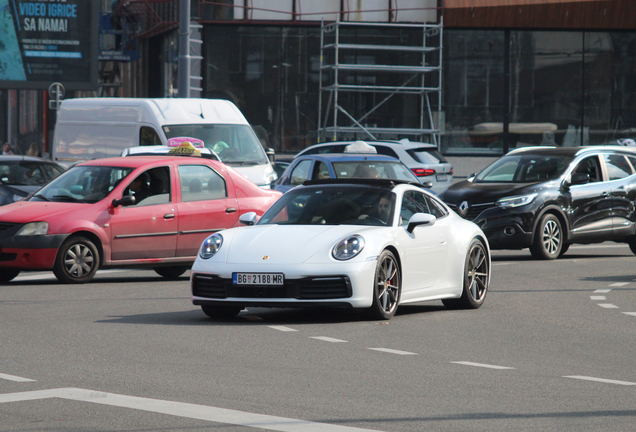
31,211
261,175
22,190
287,244
478,193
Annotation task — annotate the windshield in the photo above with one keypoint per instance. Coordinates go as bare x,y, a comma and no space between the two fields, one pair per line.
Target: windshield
373,169
235,144
524,168
332,205
86,184
28,173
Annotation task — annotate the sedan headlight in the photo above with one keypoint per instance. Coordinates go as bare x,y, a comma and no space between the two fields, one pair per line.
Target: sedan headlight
211,246
348,248
34,228
516,201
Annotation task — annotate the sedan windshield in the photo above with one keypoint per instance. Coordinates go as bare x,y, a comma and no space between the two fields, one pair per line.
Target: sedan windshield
85,184
28,173
332,205
373,169
235,144
524,168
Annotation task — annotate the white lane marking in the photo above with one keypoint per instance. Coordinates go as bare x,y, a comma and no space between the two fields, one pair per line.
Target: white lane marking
392,351
282,328
15,378
180,409
602,291
597,298
630,313
481,365
39,276
603,380
607,305
327,339
619,284
597,246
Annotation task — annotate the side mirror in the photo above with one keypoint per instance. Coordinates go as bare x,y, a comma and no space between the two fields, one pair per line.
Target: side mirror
420,219
126,200
248,219
271,154
579,178
427,184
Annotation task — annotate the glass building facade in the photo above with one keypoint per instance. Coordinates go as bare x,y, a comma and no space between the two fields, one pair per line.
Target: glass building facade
502,89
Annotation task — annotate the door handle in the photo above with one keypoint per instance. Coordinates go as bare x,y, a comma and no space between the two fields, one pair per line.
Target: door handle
168,216
230,210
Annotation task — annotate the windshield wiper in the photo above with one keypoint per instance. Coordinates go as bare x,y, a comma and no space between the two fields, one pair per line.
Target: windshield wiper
41,197
67,198
240,163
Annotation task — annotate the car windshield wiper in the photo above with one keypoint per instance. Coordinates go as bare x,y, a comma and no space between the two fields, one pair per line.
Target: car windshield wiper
67,198
42,197
240,163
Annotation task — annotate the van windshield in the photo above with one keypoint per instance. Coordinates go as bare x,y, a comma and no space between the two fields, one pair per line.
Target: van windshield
235,144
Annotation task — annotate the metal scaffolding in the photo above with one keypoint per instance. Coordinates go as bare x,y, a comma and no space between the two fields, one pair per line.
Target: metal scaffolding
349,69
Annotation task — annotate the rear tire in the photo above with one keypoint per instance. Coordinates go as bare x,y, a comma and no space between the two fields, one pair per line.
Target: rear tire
7,274
77,261
171,272
476,279
222,312
548,238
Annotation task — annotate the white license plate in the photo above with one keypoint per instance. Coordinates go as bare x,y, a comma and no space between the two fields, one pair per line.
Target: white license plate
258,279
441,177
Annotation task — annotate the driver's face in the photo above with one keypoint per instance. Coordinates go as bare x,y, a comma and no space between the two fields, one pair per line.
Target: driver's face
384,206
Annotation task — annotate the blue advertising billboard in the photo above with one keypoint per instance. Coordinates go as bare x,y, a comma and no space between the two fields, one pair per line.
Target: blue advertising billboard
46,41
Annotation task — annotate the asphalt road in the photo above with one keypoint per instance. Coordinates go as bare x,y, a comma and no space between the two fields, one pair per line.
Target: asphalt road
552,349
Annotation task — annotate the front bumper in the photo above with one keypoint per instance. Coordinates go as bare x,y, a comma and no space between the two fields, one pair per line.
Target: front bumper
30,252
337,285
507,228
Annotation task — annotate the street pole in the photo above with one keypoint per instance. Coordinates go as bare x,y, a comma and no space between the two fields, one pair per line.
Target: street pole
184,49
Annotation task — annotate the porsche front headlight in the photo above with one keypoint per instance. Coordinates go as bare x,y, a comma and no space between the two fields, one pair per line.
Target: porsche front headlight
34,228
211,246
348,248
515,201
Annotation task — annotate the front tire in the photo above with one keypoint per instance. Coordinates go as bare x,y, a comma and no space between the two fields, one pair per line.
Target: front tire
171,272
77,261
387,287
548,238
476,278
7,274
222,312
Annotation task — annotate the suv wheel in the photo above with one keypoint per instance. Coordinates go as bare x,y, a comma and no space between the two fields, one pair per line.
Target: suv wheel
548,238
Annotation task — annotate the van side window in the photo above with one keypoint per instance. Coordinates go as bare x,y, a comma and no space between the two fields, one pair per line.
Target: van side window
148,136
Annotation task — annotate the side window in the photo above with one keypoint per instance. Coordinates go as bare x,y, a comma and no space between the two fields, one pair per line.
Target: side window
387,151
151,187
632,160
148,136
201,183
300,173
321,171
413,202
590,166
436,208
617,166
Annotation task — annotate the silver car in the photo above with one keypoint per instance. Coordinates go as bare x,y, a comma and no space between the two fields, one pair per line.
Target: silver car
424,159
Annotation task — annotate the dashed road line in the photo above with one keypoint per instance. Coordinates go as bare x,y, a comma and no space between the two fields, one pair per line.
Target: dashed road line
597,298
630,313
15,378
392,351
603,380
283,328
489,366
602,291
180,409
619,284
327,339
607,305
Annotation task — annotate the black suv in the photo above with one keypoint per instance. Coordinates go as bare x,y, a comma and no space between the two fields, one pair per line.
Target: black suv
546,198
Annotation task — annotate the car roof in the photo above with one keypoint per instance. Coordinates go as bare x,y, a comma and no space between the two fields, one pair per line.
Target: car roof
157,150
350,157
137,161
405,143
26,158
570,151
382,183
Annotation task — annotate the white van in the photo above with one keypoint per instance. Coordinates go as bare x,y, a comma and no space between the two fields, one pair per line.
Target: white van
95,128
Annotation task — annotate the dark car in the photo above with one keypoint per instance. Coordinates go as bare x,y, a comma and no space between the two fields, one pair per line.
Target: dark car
546,198
22,175
324,166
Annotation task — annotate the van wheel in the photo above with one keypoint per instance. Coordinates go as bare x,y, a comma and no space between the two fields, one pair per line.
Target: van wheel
77,261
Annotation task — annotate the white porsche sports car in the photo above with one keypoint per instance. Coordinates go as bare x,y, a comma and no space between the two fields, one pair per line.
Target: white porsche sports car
370,244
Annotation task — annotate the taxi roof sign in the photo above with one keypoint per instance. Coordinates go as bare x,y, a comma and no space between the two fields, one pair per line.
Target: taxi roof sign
185,148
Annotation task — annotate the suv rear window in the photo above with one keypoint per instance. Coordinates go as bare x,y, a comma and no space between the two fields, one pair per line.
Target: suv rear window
427,155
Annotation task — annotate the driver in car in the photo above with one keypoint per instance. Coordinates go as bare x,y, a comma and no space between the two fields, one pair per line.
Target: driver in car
381,210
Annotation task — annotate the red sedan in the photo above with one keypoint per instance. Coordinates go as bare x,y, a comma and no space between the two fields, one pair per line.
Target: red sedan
139,211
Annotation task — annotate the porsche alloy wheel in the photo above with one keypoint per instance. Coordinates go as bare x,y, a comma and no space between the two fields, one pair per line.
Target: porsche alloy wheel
476,280
387,287
77,261
548,238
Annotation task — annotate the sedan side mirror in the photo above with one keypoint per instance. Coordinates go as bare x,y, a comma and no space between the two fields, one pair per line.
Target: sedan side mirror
248,219
126,200
420,219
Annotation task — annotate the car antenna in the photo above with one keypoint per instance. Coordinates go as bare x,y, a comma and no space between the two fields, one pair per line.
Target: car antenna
201,107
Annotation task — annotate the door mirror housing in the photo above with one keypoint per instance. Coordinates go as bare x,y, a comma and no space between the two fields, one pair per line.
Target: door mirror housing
248,219
420,219
126,200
